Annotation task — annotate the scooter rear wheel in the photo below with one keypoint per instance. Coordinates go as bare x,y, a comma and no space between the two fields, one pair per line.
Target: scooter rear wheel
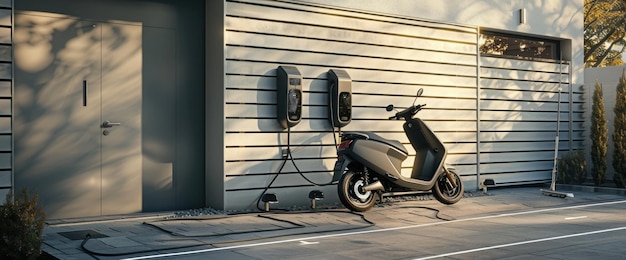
351,193
445,192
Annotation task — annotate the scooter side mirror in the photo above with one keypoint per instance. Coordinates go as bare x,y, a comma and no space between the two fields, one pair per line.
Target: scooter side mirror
420,92
389,108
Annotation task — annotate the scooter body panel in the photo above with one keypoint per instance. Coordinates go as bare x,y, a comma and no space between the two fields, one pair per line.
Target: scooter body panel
430,153
377,156
385,159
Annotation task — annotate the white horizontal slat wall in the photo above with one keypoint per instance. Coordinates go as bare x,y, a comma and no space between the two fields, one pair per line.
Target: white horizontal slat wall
388,59
6,99
518,114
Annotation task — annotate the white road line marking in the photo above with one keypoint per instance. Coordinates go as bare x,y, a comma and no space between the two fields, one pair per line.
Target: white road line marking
574,218
369,231
306,243
523,243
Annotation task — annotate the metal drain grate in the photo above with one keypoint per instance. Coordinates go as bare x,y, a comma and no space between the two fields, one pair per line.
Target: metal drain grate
81,234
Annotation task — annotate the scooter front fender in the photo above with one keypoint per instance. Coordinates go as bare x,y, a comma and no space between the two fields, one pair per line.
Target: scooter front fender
340,168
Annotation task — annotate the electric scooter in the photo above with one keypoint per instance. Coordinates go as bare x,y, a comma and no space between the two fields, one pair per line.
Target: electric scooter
369,165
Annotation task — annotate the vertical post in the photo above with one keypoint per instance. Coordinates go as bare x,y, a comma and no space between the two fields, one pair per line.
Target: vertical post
478,108
558,129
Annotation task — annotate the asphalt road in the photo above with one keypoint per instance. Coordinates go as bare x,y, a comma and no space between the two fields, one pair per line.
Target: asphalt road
594,229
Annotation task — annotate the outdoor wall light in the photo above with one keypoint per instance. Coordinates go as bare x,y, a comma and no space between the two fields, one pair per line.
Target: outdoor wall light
269,198
522,16
315,195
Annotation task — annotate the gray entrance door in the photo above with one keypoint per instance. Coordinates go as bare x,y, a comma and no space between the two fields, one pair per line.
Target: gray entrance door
121,118
78,113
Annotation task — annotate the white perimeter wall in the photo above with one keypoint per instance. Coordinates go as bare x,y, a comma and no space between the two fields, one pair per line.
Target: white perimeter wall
561,19
496,116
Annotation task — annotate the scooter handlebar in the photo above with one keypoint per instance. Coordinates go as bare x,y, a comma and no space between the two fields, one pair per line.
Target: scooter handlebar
407,113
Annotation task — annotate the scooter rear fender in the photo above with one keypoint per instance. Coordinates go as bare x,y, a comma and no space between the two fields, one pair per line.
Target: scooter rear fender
340,167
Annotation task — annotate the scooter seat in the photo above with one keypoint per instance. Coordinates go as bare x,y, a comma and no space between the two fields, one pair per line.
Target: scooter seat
394,143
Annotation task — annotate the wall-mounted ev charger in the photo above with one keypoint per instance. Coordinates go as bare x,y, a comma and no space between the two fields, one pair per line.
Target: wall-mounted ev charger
340,98
289,96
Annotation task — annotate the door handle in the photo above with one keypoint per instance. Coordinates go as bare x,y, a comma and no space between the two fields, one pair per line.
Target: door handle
84,93
107,124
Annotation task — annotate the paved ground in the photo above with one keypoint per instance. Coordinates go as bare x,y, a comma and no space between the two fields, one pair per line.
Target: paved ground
482,226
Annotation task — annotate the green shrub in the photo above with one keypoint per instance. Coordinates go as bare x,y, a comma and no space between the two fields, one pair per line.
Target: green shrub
599,137
21,224
572,168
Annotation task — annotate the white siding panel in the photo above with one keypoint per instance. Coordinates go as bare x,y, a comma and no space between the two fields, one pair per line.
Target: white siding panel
517,146
250,111
5,71
410,90
284,179
518,116
5,161
504,136
237,67
265,167
508,126
523,65
5,143
251,82
493,94
273,139
5,35
5,89
352,22
508,167
334,60
5,180
242,110
341,34
425,114
509,74
403,102
348,49
370,125
5,107
262,153
515,156
5,53
519,178
498,84
503,105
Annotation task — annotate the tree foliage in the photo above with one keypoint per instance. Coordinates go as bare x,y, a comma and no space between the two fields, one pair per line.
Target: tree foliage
619,134
605,28
494,43
599,136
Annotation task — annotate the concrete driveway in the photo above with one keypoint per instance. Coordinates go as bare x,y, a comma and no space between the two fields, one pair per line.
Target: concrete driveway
514,223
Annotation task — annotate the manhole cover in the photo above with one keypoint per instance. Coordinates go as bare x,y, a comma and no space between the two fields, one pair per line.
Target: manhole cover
81,234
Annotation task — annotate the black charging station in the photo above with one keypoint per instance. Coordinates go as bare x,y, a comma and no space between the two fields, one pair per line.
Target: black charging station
340,97
289,96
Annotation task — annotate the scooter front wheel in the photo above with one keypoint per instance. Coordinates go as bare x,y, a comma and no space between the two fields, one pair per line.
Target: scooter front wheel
351,193
446,191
